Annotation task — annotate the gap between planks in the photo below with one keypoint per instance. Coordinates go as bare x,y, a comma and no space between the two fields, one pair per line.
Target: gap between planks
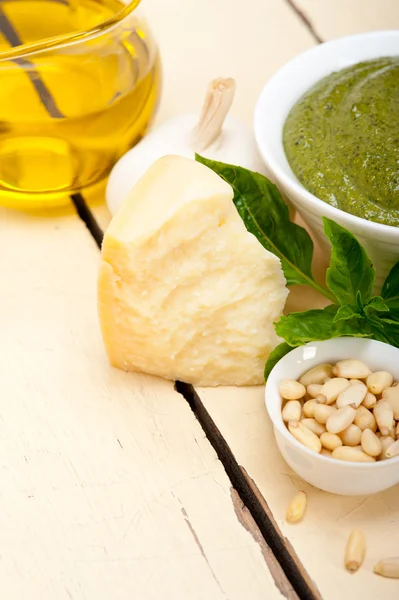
250,506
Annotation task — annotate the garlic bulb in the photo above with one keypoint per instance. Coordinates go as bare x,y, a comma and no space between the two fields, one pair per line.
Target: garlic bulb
216,135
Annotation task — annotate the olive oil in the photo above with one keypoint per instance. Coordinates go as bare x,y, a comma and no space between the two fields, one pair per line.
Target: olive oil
68,113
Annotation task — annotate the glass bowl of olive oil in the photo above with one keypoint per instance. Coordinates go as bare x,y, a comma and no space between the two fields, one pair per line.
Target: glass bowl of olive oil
79,83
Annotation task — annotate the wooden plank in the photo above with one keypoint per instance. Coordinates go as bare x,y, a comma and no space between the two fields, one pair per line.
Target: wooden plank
108,486
336,18
319,540
241,417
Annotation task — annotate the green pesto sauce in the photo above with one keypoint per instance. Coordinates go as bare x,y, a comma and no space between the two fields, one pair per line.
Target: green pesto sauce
341,140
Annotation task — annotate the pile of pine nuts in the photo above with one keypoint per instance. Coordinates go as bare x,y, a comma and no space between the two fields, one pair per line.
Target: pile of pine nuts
344,411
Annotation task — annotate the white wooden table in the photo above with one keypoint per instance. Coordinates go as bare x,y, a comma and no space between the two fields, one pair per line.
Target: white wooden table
117,486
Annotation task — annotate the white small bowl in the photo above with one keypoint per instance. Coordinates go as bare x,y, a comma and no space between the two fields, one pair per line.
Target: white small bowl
276,100
331,475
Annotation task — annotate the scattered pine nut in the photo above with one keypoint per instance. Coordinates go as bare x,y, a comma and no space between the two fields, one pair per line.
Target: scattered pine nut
388,567
316,375
296,508
380,380
355,551
292,411
291,389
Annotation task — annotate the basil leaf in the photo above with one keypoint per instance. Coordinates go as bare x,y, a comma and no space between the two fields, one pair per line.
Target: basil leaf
279,352
266,216
316,325
384,331
390,289
351,270
348,311
376,304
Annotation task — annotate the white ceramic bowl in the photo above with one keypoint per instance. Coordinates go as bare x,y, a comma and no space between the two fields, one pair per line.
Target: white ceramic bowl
278,97
331,475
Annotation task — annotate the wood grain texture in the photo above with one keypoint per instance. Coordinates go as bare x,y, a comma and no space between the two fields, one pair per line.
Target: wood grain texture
335,18
241,417
108,486
319,540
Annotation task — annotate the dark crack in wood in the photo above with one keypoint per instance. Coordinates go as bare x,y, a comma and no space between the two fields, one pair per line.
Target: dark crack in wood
247,521
283,551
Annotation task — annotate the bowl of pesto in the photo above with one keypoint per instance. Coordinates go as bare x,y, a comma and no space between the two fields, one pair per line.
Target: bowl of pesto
327,126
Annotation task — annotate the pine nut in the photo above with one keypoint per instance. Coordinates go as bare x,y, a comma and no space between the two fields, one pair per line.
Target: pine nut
322,412
391,395
330,441
392,450
314,426
351,454
309,408
370,400
354,394
383,413
365,419
385,443
305,436
326,452
321,399
354,381
388,567
291,390
316,375
313,389
351,436
397,431
327,379
340,419
292,411
355,551
332,388
351,369
380,380
371,445
392,431
296,508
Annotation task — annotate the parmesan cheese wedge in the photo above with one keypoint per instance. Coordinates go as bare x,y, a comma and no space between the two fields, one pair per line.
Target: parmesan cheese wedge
185,292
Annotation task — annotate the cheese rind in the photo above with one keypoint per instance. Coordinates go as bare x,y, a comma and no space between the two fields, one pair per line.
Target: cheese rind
185,292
